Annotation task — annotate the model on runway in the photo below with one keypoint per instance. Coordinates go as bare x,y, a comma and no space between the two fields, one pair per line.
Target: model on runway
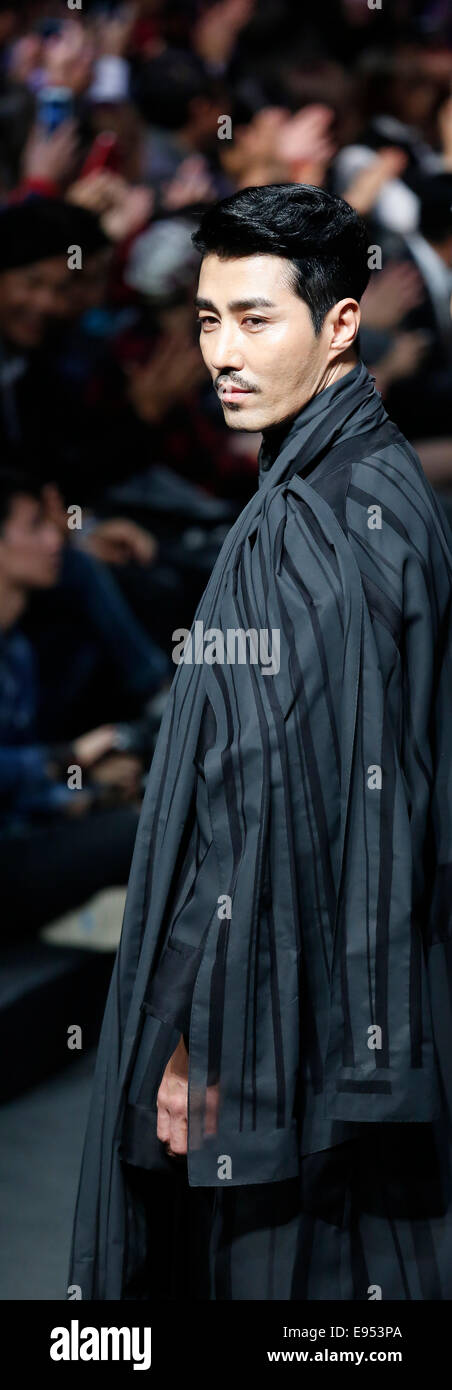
271,1114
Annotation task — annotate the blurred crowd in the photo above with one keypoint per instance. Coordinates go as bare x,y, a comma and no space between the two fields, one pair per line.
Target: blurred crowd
119,124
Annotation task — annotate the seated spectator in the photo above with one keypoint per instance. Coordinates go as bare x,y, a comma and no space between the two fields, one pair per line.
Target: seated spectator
68,814
95,659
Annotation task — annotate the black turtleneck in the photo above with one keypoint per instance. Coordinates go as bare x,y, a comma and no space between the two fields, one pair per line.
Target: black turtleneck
274,437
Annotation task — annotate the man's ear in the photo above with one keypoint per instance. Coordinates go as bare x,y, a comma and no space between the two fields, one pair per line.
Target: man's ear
345,319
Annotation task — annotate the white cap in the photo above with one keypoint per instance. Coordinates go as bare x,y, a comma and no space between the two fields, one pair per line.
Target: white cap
162,259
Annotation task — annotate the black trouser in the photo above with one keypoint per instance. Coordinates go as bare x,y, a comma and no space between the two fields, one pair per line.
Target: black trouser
48,871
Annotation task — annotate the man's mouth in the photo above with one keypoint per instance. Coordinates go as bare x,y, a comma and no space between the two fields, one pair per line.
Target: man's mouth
230,392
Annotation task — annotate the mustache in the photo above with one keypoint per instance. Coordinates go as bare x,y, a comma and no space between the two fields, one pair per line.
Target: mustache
221,381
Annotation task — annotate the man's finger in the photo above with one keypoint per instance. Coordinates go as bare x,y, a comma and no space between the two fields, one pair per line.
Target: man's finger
178,1135
163,1122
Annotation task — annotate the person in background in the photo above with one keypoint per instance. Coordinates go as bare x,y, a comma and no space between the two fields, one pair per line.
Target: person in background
250,978
43,426
60,843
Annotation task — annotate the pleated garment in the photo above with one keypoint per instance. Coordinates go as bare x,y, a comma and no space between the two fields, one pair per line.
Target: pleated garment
289,905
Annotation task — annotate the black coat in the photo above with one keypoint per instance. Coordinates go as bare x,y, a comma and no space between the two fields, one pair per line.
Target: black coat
289,902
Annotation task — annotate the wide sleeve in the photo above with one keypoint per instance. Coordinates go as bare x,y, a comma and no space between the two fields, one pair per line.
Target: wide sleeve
170,988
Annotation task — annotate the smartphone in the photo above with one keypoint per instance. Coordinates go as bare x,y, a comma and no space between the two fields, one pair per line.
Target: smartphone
104,154
55,105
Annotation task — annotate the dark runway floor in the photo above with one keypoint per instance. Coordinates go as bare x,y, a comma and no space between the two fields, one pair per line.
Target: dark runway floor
41,1140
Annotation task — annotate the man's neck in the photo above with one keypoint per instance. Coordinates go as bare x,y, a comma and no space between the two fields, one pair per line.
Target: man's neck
13,601
274,435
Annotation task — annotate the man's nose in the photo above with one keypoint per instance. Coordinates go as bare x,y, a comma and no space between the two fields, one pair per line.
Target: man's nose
227,349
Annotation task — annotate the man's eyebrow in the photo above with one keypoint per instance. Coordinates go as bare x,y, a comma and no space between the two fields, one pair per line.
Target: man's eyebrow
236,304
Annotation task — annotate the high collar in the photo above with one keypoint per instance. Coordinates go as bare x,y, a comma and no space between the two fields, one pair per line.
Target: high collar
285,436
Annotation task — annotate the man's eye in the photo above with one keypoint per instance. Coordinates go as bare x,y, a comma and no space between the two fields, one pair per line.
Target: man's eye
207,321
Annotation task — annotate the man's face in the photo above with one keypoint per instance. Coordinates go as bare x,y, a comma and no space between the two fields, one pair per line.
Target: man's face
31,297
30,545
270,350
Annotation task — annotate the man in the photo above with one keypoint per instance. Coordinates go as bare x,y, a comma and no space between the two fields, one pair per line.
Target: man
58,846
268,1118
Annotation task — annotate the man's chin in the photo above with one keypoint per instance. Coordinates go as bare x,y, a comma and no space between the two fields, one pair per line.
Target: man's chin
239,419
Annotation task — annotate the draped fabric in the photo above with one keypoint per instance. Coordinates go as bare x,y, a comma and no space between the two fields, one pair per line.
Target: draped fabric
289,897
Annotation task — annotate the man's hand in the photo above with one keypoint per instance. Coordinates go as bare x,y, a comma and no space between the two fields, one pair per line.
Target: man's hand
121,772
365,187
190,184
68,57
90,747
51,156
118,772
216,31
119,540
305,139
402,359
124,209
175,369
172,1102
390,295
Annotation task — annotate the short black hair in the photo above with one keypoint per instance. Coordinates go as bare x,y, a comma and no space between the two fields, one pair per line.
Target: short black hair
15,482
322,237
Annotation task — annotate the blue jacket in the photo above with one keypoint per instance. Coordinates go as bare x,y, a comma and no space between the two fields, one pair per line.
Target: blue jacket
26,789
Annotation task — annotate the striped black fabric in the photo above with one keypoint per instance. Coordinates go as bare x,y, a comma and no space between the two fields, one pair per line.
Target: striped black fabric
289,900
